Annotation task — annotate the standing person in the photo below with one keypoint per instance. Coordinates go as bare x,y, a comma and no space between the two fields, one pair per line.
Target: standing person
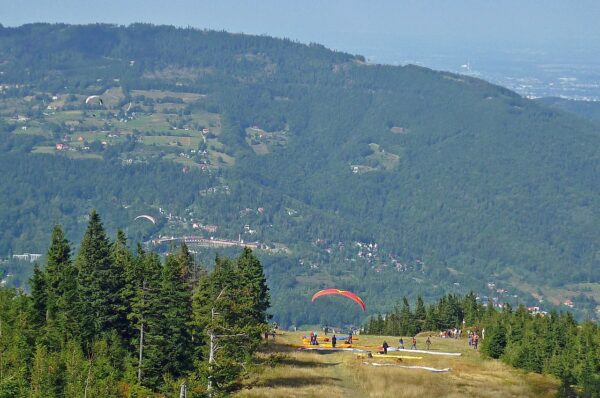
475,340
401,343
470,339
333,341
316,341
350,336
428,342
385,347
414,343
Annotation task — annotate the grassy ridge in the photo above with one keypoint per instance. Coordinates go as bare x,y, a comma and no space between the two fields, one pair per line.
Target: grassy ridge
309,374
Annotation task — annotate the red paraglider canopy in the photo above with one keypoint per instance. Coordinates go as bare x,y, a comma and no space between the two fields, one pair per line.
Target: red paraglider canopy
345,293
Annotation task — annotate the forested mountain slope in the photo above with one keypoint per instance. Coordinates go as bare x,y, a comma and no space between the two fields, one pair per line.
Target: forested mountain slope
386,180
587,109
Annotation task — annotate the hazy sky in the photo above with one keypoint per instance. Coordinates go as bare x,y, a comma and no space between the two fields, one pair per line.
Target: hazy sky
351,25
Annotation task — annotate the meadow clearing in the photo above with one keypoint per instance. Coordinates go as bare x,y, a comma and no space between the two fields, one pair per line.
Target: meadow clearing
287,372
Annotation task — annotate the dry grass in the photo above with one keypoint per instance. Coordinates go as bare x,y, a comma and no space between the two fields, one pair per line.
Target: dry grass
343,374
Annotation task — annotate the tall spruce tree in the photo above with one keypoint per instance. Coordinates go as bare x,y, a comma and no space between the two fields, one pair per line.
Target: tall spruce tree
44,375
495,343
471,309
132,293
251,276
39,296
147,316
121,261
420,314
224,313
431,321
57,259
94,277
176,299
407,321
61,276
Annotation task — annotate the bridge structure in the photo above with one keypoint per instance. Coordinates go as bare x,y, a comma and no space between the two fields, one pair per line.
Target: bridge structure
207,242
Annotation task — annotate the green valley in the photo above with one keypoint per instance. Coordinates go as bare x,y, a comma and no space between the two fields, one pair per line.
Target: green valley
384,180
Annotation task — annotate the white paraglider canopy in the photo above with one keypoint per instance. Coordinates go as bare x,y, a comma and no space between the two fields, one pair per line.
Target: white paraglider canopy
94,99
147,217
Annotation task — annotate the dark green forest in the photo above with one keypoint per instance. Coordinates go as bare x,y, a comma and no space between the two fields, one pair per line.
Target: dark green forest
552,344
586,109
456,181
105,321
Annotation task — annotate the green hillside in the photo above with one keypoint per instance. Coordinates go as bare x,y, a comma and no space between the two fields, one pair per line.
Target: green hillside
383,180
587,109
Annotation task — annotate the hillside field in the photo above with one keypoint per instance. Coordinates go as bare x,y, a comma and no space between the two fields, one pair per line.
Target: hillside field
287,372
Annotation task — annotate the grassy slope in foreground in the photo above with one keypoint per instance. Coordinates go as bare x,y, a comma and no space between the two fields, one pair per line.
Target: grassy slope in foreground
309,374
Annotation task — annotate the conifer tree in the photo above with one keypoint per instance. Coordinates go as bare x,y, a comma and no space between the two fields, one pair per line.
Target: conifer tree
490,311
431,322
103,376
75,370
176,299
407,322
251,276
224,314
57,259
589,359
147,315
471,309
132,293
495,343
420,314
94,277
392,323
121,261
61,276
39,296
378,325
45,375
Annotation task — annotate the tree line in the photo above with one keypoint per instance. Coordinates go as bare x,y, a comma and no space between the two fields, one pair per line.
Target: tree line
553,343
110,322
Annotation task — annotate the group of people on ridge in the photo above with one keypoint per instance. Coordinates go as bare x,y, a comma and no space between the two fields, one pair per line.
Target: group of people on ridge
451,333
414,343
413,346
314,338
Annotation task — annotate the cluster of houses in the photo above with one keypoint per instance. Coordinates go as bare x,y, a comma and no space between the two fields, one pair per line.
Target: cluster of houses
208,228
534,310
329,247
224,189
64,145
367,250
370,253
